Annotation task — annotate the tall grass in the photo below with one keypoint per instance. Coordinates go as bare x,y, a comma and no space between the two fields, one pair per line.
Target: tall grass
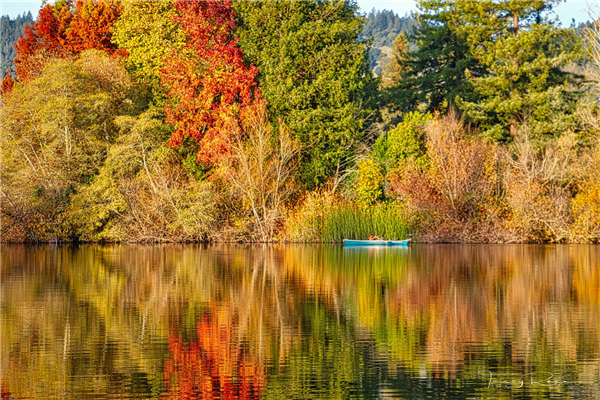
349,221
324,217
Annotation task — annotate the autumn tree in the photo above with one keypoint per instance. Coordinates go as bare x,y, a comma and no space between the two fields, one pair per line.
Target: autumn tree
91,26
260,170
208,83
56,130
394,67
7,84
65,28
149,32
44,40
314,72
395,71
142,192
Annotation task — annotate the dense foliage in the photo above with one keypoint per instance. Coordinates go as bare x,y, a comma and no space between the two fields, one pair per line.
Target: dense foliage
258,121
64,29
314,73
209,86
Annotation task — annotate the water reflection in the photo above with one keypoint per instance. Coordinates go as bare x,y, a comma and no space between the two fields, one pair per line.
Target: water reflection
182,322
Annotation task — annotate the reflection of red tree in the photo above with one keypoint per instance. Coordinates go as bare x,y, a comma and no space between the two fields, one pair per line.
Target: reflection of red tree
216,365
4,392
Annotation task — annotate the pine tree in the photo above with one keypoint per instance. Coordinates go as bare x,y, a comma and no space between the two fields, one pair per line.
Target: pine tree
525,54
440,60
394,68
10,30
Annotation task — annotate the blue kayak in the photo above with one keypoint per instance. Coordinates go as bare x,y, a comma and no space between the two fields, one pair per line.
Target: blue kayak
348,242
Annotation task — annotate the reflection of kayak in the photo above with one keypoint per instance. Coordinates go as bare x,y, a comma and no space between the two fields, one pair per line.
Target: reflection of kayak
398,242
348,242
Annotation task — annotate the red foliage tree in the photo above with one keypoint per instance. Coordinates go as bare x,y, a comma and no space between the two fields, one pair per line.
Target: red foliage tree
44,40
209,86
64,29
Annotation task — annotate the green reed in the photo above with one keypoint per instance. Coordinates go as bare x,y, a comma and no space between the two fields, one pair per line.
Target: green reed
345,221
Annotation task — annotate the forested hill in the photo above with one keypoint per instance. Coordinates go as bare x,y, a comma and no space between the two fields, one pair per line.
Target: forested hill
384,26
10,30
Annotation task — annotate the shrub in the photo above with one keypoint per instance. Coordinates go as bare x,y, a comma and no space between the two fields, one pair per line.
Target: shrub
586,203
404,142
455,191
369,185
536,180
259,172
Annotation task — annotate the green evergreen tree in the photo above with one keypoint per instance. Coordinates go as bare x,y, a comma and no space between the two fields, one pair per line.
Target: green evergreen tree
314,72
440,60
525,54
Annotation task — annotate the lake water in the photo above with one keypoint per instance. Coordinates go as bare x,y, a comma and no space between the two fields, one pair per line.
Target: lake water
300,321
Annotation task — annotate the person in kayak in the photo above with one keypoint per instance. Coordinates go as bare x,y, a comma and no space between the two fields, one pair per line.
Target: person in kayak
371,237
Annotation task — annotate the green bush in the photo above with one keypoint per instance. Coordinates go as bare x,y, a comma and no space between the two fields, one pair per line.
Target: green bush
405,141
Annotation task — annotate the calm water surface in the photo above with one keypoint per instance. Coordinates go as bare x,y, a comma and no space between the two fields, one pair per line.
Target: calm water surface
323,322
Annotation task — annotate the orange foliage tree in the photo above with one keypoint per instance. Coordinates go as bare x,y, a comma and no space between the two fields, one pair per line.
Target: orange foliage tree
209,86
64,29
7,84
91,26
216,365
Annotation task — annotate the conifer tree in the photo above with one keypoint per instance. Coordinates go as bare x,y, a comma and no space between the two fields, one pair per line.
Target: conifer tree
314,72
10,30
525,54
394,68
501,62
440,60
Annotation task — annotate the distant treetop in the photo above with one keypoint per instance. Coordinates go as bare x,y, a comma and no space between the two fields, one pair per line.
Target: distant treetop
10,30
384,27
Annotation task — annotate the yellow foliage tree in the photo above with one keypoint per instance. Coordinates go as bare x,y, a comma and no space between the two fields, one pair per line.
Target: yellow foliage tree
369,185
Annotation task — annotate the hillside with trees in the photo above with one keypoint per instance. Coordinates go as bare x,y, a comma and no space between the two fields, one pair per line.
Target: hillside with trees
383,27
10,30
215,121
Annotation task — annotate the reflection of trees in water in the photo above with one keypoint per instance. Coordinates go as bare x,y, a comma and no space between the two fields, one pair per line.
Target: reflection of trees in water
217,364
4,391
106,312
438,306
290,319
